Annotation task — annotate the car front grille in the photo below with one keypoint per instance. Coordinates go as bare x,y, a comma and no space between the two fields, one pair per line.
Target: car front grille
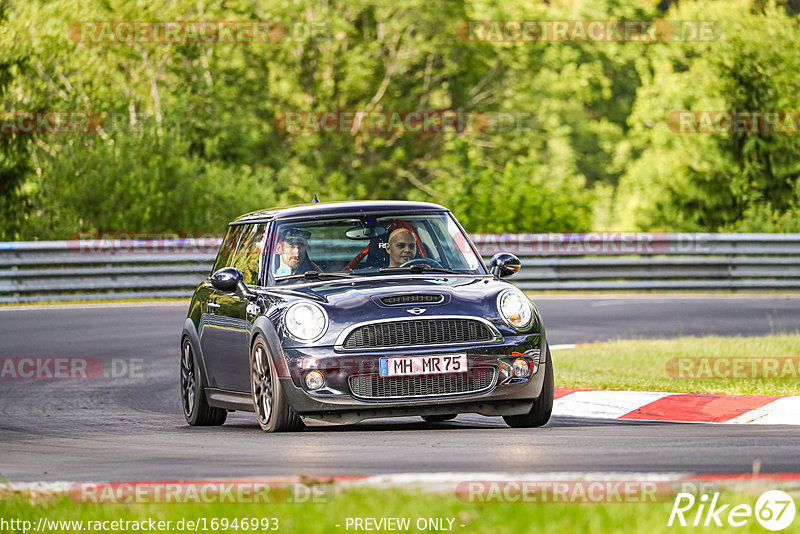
380,387
399,300
418,332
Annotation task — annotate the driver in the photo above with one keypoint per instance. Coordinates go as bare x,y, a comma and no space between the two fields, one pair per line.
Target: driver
401,247
292,249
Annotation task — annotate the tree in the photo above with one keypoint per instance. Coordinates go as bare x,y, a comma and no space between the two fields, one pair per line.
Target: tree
740,180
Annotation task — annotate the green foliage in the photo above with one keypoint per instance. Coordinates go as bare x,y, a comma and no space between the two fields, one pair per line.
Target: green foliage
143,181
192,135
738,181
526,195
14,164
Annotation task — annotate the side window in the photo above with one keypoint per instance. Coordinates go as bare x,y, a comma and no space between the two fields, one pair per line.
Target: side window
227,248
249,253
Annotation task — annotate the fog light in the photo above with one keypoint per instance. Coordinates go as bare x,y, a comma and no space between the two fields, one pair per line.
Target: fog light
521,368
315,380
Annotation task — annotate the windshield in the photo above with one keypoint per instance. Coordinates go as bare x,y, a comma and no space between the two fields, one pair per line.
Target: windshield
370,244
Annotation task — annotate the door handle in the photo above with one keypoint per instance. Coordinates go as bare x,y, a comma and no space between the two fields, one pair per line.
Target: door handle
213,305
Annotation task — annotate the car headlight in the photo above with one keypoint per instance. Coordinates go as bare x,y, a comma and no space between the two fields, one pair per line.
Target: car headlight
305,321
515,309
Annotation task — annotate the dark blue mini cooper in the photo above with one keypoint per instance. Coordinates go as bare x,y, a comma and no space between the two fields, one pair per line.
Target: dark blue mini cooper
339,312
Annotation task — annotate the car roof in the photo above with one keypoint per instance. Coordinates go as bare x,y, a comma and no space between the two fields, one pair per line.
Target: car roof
323,209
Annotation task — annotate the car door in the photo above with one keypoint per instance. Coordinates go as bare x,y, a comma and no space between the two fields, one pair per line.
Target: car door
225,337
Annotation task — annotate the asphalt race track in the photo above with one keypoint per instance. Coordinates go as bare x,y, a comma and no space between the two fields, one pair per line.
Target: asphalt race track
130,427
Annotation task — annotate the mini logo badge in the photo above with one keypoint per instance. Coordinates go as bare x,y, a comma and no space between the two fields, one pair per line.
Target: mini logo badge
417,311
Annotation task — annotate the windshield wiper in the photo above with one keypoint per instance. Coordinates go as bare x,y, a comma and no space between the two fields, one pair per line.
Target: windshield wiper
314,275
418,269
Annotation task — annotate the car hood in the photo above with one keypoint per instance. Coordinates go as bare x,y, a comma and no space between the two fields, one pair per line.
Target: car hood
360,300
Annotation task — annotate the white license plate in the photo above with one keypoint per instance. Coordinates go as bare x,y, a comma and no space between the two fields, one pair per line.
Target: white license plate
424,365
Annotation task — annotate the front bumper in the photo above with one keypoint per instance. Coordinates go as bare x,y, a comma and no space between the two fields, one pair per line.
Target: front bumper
336,402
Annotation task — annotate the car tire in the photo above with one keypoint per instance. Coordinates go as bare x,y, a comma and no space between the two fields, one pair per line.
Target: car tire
439,418
542,407
269,401
193,396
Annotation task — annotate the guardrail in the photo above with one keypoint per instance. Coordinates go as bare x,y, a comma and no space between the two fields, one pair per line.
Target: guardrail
63,270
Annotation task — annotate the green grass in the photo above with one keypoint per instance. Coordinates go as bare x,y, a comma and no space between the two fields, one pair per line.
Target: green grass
323,517
643,365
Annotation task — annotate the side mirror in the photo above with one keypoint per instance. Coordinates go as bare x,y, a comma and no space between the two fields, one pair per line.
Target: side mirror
232,279
503,265
226,279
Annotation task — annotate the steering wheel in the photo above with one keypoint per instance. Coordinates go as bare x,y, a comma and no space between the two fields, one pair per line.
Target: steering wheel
422,261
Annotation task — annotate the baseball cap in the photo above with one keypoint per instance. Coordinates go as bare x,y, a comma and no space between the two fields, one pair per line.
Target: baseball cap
295,235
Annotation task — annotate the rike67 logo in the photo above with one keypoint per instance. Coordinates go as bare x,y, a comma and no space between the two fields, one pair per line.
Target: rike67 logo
774,510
